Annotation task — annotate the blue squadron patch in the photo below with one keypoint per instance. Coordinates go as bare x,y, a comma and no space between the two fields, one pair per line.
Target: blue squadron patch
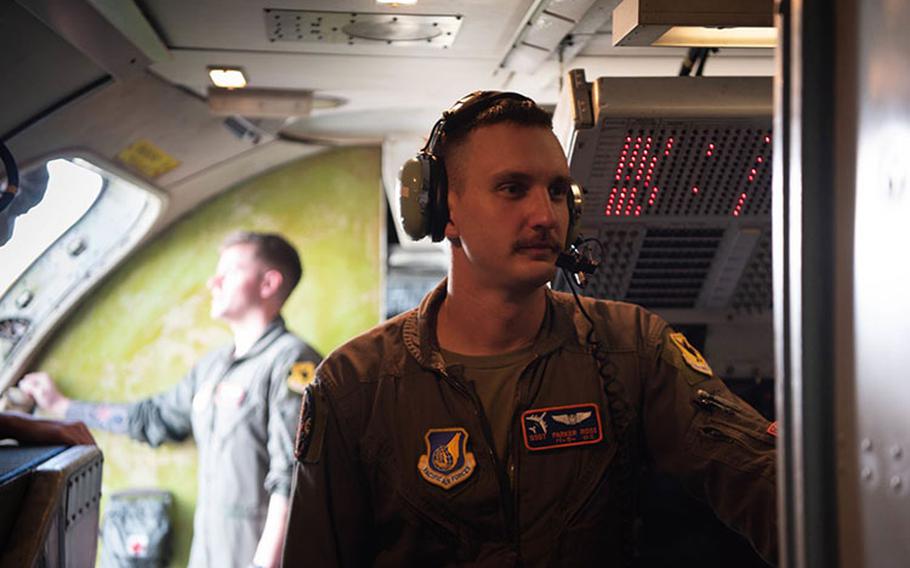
447,461
561,426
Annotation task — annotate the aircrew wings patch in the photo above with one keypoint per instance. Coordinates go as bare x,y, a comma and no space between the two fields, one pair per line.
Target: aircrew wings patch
690,354
300,375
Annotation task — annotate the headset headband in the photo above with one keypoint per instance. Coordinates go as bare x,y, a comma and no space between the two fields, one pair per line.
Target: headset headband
464,110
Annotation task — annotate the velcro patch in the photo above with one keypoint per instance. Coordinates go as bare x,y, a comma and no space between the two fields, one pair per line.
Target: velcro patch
447,461
301,374
691,355
772,429
310,429
561,426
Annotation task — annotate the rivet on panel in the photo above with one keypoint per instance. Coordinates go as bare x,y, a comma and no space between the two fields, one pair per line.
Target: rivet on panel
866,444
896,483
867,473
896,452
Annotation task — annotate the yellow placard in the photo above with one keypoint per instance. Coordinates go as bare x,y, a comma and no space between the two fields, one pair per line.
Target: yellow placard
150,160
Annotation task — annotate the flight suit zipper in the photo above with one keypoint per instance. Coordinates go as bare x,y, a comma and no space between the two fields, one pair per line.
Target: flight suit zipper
711,401
505,493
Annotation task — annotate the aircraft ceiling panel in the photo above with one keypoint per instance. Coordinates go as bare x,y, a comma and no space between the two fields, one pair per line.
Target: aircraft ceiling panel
39,68
487,26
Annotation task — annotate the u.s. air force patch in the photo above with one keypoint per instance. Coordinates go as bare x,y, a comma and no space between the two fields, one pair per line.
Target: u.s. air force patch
690,354
300,375
447,461
561,426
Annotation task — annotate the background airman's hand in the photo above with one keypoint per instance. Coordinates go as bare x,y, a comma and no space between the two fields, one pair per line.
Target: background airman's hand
41,387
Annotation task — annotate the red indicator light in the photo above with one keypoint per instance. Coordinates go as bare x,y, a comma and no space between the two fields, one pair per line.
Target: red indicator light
648,140
743,195
650,202
666,152
767,139
759,159
618,177
709,153
753,171
736,213
711,146
694,189
751,179
608,212
645,151
638,213
628,178
628,138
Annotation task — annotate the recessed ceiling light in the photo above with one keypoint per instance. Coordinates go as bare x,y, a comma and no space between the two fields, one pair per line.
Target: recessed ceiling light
396,2
227,77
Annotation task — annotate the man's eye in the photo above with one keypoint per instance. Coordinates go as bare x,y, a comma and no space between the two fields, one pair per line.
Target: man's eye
512,189
559,191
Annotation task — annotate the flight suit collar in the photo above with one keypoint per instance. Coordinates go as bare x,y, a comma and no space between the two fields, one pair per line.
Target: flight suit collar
273,331
419,330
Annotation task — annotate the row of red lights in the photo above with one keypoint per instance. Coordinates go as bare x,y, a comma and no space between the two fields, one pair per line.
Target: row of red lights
625,205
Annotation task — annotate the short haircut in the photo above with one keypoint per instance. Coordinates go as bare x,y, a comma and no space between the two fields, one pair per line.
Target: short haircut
515,111
273,250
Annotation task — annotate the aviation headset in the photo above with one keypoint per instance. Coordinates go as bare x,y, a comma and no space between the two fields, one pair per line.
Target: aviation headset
423,185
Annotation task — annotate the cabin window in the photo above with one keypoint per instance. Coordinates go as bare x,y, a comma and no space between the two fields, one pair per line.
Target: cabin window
89,217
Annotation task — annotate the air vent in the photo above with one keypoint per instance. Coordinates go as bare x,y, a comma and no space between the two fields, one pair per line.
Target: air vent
358,28
672,267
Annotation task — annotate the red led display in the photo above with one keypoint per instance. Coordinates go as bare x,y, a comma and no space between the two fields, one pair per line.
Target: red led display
646,161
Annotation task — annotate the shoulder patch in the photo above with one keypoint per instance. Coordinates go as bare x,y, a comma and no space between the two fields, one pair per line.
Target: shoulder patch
301,375
690,354
772,429
310,428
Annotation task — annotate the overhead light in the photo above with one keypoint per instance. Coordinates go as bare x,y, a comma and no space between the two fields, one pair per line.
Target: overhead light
227,77
396,2
694,23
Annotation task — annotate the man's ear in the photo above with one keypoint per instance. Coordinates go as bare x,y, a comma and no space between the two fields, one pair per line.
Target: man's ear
451,232
271,283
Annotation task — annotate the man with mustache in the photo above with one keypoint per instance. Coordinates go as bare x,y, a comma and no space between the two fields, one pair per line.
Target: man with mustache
502,423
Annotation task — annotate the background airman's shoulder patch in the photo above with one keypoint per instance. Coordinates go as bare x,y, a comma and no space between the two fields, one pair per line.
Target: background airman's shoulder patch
690,354
301,374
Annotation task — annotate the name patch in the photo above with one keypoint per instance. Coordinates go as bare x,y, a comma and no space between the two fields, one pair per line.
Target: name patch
561,426
447,461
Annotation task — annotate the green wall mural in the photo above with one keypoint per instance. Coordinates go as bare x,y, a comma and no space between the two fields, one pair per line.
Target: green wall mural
140,331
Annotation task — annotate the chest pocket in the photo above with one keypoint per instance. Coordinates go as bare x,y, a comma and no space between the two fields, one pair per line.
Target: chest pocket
567,441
